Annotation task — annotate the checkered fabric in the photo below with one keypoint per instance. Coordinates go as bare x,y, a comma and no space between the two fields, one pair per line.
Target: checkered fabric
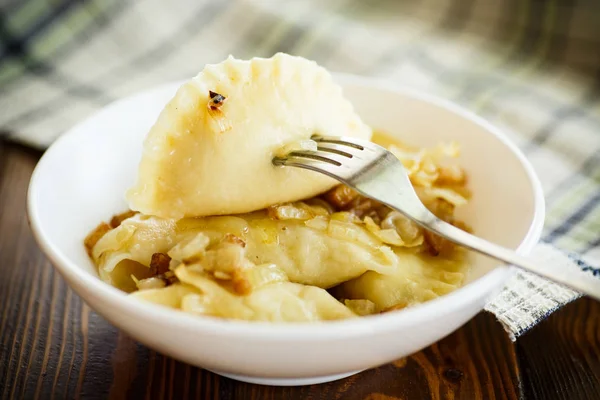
530,67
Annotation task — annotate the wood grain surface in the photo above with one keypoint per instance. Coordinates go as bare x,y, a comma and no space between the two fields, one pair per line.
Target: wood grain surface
53,346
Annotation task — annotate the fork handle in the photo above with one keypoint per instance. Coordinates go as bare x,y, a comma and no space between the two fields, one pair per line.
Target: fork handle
579,281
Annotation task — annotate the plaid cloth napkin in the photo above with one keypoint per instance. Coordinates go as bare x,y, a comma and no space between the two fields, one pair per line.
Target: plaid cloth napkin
530,67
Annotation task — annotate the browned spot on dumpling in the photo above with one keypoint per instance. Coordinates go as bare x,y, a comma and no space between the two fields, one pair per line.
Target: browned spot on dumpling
216,100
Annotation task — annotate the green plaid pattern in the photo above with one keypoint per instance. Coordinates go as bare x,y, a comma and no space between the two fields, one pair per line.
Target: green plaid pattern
530,67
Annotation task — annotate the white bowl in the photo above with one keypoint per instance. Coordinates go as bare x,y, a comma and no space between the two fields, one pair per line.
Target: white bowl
82,178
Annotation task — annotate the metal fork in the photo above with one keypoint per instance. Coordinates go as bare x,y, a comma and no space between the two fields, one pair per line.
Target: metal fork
376,173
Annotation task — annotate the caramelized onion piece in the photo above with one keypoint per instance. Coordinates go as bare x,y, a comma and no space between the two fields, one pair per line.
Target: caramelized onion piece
91,239
451,175
117,219
340,196
435,244
159,263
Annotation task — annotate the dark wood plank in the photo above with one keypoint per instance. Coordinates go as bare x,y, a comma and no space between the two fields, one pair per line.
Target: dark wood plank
51,344
561,357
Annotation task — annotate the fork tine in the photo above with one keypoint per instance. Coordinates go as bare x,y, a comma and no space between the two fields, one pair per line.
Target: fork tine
323,156
344,151
312,164
339,140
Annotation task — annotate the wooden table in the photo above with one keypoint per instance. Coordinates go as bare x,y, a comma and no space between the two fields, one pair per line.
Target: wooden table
52,343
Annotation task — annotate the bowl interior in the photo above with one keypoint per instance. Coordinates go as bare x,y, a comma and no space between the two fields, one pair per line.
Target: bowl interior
83,177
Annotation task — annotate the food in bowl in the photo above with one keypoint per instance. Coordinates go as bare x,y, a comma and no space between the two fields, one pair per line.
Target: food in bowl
217,230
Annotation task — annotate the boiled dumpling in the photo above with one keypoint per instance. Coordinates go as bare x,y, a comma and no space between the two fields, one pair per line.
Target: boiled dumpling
276,302
416,279
320,250
210,151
